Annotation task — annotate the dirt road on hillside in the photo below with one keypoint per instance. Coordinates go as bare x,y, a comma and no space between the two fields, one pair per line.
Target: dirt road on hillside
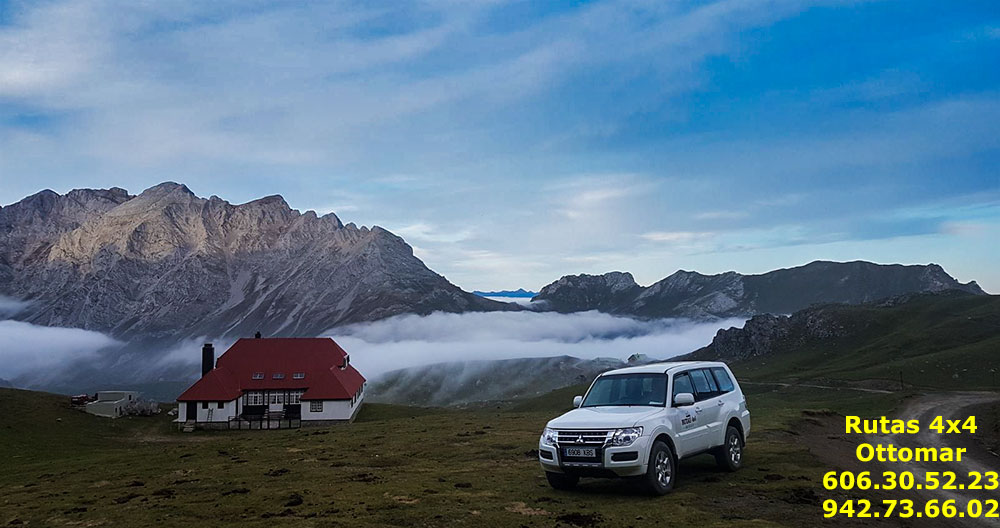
950,406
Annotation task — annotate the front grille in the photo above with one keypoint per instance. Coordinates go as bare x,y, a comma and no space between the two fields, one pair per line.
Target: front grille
590,438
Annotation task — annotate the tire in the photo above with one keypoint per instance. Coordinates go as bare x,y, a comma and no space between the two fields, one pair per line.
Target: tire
730,454
561,481
661,471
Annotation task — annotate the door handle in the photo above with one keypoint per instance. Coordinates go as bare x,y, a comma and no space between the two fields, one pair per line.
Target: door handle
721,403
697,409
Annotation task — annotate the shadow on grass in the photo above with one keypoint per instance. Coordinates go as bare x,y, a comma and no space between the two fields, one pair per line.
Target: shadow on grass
696,470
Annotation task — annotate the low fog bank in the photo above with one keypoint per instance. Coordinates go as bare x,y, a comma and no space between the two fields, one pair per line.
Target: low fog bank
39,350
445,384
70,360
10,306
410,341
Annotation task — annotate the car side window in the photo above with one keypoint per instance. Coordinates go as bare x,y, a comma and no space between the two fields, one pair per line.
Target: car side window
682,383
725,382
714,387
703,390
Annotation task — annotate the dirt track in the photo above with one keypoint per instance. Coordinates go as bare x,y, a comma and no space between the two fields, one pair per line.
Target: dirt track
949,406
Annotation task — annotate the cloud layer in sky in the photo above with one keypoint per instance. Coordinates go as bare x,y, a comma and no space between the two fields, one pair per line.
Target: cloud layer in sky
410,340
514,142
26,348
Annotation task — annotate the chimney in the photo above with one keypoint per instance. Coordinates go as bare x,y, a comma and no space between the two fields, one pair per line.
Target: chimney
207,358
347,361
257,335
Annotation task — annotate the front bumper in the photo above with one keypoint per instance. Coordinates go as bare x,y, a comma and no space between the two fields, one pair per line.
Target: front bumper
624,461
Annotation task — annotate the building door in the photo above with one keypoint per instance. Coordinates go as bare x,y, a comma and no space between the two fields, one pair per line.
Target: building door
192,411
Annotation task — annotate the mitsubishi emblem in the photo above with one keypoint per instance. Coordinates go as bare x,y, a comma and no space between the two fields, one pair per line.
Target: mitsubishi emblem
579,439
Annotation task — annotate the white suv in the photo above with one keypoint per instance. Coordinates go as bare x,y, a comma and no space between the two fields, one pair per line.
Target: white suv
626,427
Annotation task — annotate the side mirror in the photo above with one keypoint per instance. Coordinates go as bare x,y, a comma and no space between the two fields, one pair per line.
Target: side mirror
577,401
683,399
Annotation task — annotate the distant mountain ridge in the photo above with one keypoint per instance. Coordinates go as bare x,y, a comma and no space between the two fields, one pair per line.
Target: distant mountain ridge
519,293
946,340
694,295
167,264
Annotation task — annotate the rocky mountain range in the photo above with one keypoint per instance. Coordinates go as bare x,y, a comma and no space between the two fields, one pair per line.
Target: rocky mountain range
167,264
694,295
520,292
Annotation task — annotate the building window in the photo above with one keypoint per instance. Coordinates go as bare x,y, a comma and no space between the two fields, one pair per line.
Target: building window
221,405
294,397
204,405
278,375
316,406
299,375
253,398
276,397
258,375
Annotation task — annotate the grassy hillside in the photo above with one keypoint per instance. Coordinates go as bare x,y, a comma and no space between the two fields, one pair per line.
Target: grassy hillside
468,382
948,341
395,466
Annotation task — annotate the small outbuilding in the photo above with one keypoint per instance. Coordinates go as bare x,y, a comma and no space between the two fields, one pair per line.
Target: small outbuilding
112,404
269,383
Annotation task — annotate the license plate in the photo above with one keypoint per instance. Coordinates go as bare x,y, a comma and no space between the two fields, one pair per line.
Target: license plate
581,452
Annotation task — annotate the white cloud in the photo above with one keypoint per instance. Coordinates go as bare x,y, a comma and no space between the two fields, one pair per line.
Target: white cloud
411,340
431,233
722,215
27,348
675,236
10,306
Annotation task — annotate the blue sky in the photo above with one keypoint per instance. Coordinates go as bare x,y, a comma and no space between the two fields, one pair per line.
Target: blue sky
514,142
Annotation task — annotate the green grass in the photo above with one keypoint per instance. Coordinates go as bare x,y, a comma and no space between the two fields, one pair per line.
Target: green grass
395,466
559,400
934,341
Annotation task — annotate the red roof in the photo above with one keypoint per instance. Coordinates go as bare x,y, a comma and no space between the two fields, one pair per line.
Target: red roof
318,358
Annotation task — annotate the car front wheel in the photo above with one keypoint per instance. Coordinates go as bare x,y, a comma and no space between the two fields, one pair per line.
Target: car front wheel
661,470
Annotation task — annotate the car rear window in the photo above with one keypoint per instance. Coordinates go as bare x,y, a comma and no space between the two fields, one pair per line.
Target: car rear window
722,377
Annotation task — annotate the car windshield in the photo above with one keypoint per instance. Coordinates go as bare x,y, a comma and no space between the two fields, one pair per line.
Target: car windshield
628,389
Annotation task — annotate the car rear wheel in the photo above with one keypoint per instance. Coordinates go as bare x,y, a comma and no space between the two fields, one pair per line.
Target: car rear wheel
661,471
730,454
561,481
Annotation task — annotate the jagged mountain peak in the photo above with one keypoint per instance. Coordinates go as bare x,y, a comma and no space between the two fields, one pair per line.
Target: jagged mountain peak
167,187
169,264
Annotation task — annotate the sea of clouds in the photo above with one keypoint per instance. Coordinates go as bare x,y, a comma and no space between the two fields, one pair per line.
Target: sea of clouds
41,354
26,348
410,340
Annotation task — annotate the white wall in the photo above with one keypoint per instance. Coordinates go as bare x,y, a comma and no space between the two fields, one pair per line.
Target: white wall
332,410
212,414
111,404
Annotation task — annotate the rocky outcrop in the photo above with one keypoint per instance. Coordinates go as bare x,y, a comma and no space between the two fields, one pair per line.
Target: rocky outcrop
575,293
765,334
694,295
167,264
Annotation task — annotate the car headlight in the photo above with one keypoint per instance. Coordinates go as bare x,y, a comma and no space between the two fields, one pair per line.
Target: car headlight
549,437
625,437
